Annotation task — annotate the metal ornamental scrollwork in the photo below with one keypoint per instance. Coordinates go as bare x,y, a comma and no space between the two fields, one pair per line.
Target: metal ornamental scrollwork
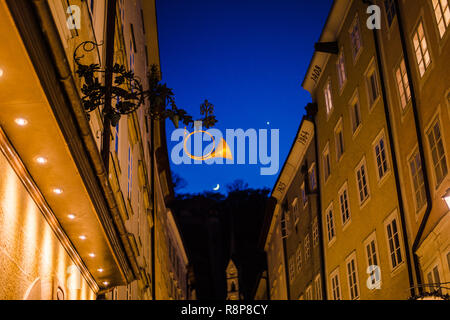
126,91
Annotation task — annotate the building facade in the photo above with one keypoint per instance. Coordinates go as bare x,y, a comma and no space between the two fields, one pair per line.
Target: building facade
89,231
382,105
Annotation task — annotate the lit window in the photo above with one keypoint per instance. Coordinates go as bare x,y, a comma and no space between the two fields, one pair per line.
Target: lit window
389,6
335,285
344,205
362,182
339,138
355,36
342,75
352,277
393,238
423,57
415,165
437,152
330,224
403,84
328,98
381,157
442,14
326,163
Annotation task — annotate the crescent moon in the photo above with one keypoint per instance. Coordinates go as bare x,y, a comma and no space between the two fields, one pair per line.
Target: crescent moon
217,187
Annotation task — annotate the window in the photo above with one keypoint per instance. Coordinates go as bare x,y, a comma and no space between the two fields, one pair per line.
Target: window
355,36
381,157
295,210
389,6
415,165
291,269
442,14
393,238
362,182
342,75
299,261
284,225
308,294
304,197
423,57
328,97
335,285
352,277
130,172
339,138
403,84
355,115
344,205
307,247
326,163
315,233
370,247
330,224
318,288
372,86
313,177
437,152
434,280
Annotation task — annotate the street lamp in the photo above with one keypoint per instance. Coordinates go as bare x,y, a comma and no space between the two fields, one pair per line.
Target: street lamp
446,197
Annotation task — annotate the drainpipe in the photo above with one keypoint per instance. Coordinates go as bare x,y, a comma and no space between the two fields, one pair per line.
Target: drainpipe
421,149
311,110
394,158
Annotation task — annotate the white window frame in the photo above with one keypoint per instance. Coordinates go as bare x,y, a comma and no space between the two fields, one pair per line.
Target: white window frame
402,84
299,258
309,293
295,210
437,119
341,70
335,291
356,54
412,156
325,153
441,13
327,221
420,48
352,257
328,95
355,101
304,195
312,174
430,271
291,269
372,238
375,144
345,222
364,201
372,71
339,133
307,246
318,287
315,233
388,221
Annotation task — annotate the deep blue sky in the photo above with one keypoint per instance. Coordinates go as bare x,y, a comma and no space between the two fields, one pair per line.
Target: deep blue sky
248,57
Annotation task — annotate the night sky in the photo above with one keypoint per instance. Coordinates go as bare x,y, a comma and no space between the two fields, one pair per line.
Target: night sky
247,57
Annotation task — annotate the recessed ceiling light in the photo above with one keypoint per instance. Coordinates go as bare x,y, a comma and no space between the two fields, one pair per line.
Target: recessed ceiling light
71,216
100,270
82,237
57,191
41,160
92,255
21,122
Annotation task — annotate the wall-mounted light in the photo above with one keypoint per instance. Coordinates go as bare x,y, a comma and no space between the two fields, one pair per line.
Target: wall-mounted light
21,122
92,255
100,270
105,283
71,216
41,160
57,191
446,197
1,72
82,237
